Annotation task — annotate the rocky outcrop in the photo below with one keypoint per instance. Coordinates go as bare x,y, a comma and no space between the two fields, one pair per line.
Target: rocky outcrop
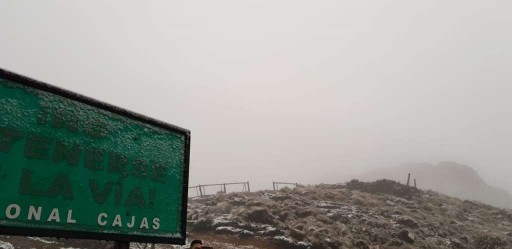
449,178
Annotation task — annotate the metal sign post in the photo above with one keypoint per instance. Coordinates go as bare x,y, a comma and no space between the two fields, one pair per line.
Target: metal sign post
74,167
121,245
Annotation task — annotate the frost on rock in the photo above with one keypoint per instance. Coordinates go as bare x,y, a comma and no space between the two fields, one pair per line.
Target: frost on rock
6,245
224,219
42,240
231,230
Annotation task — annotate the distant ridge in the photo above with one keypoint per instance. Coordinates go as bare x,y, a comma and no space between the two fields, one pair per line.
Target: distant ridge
449,178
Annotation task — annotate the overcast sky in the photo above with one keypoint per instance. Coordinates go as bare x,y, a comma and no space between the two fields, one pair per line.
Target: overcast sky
288,90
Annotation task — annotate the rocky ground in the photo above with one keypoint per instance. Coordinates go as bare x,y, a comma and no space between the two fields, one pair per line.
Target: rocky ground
353,215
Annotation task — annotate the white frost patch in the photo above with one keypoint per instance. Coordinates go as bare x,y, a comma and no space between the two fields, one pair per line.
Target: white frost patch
6,245
303,243
293,242
231,229
328,205
283,238
42,240
262,227
223,219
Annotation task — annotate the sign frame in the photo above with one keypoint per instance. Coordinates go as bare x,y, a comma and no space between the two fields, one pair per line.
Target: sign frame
60,233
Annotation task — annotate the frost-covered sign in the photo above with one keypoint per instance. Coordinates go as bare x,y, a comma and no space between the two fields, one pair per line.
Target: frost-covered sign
78,168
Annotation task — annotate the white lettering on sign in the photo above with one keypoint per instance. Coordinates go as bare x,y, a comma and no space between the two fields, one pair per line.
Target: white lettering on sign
70,217
8,211
102,222
33,213
131,223
117,221
144,223
54,215
13,211
156,223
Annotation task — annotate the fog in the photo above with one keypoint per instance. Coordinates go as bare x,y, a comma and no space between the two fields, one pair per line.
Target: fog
300,91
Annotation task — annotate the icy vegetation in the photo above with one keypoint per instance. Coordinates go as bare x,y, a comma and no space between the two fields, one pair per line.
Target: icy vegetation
354,215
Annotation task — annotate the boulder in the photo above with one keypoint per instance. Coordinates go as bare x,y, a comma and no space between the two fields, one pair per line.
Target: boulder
6,245
260,215
406,236
408,222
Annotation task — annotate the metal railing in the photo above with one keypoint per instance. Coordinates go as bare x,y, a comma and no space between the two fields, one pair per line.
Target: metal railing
201,188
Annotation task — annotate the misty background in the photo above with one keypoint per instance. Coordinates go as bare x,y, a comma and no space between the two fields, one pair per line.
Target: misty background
300,91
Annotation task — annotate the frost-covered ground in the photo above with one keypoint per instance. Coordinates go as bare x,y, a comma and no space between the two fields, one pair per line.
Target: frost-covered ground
354,215
6,245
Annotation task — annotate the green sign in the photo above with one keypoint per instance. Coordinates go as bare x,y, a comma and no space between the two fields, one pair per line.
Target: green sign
78,168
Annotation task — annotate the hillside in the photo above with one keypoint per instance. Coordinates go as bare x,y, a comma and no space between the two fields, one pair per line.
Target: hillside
352,215
355,215
449,178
